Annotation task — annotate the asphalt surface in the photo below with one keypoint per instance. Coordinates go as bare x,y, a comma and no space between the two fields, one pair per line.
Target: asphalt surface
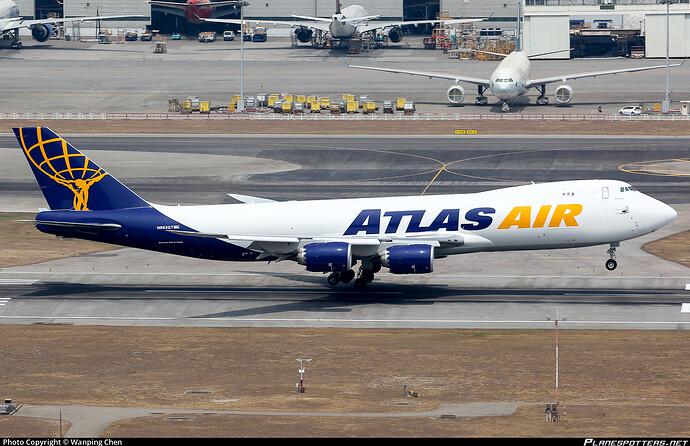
59,76
498,290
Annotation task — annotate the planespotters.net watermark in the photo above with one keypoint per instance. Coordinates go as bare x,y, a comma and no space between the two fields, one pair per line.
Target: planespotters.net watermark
631,442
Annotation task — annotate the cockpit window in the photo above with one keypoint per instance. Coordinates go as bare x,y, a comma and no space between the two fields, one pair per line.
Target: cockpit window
628,188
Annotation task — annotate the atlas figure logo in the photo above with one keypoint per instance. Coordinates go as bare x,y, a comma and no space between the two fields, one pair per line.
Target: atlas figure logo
72,170
369,220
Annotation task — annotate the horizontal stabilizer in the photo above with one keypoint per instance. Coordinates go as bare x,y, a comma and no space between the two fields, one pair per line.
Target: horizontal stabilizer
73,225
250,199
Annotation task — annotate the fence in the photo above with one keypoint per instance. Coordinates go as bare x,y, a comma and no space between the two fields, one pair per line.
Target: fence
345,116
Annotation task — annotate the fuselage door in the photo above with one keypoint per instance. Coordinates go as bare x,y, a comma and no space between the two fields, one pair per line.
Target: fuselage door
605,192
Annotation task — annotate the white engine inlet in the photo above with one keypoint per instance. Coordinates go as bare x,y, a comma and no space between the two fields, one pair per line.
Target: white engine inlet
455,94
564,94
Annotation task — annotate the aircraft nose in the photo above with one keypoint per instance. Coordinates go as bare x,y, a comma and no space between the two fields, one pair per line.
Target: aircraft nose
658,214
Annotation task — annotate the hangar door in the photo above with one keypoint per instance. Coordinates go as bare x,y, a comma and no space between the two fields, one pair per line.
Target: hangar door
542,33
655,35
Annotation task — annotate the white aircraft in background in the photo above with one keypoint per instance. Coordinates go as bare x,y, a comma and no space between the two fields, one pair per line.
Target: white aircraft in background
41,29
345,23
511,79
404,234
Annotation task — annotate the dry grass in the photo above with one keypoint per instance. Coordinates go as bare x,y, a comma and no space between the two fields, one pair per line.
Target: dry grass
613,382
675,248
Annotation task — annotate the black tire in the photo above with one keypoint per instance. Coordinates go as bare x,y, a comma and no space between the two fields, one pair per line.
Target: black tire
611,264
333,279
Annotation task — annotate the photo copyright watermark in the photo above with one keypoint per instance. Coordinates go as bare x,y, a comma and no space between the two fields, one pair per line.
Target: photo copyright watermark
61,442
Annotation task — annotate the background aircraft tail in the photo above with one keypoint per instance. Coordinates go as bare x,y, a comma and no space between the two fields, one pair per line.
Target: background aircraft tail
68,179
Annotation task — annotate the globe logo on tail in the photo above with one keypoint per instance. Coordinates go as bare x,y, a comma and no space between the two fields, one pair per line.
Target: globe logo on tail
66,166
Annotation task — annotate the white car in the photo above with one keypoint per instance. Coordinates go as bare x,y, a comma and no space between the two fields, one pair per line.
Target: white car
630,110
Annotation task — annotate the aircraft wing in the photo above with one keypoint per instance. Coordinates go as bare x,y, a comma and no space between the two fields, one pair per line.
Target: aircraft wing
17,23
430,75
283,247
323,26
174,5
373,25
565,77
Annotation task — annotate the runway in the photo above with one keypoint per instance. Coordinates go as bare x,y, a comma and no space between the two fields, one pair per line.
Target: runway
482,290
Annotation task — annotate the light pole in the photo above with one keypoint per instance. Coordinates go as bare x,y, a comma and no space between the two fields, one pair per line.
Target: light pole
666,105
240,103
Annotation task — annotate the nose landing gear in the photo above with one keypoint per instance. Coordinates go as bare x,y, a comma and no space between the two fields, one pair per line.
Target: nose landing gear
611,263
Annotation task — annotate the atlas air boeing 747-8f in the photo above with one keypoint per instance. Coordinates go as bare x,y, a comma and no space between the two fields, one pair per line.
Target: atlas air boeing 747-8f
406,235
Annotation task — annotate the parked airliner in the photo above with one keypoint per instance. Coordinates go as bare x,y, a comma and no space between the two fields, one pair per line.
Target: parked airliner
345,23
195,10
41,29
511,79
406,235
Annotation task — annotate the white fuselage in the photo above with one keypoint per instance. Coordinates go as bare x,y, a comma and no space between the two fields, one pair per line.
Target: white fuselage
509,79
537,216
342,29
8,9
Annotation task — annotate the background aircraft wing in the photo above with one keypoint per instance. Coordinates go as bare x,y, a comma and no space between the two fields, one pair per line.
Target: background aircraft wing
8,25
376,24
565,77
430,75
278,23
170,4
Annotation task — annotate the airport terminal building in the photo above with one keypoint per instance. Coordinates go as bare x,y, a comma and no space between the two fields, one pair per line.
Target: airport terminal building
593,28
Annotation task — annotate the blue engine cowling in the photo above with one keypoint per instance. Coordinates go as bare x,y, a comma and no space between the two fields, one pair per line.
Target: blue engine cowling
409,259
41,32
326,257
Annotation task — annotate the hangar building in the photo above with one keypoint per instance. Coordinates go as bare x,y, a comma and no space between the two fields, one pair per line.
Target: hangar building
629,28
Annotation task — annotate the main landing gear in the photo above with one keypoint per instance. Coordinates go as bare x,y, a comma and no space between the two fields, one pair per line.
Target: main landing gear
365,275
481,99
542,99
611,263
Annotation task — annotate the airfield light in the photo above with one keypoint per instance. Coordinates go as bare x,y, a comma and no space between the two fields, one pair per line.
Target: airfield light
666,105
300,384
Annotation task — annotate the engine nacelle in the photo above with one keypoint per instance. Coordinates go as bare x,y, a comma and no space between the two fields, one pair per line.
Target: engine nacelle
396,34
41,32
409,259
564,94
326,257
303,34
455,94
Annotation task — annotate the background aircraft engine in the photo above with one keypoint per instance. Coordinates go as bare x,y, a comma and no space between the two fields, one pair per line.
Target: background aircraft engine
564,94
303,34
41,32
409,259
455,94
326,257
396,34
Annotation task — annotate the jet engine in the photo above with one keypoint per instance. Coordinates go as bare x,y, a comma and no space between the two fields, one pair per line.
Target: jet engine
326,257
41,32
409,259
396,34
303,34
564,94
455,94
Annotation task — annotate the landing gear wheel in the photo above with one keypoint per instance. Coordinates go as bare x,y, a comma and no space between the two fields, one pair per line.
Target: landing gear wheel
360,284
611,263
367,276
334,279
505,107
347,276
481,100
